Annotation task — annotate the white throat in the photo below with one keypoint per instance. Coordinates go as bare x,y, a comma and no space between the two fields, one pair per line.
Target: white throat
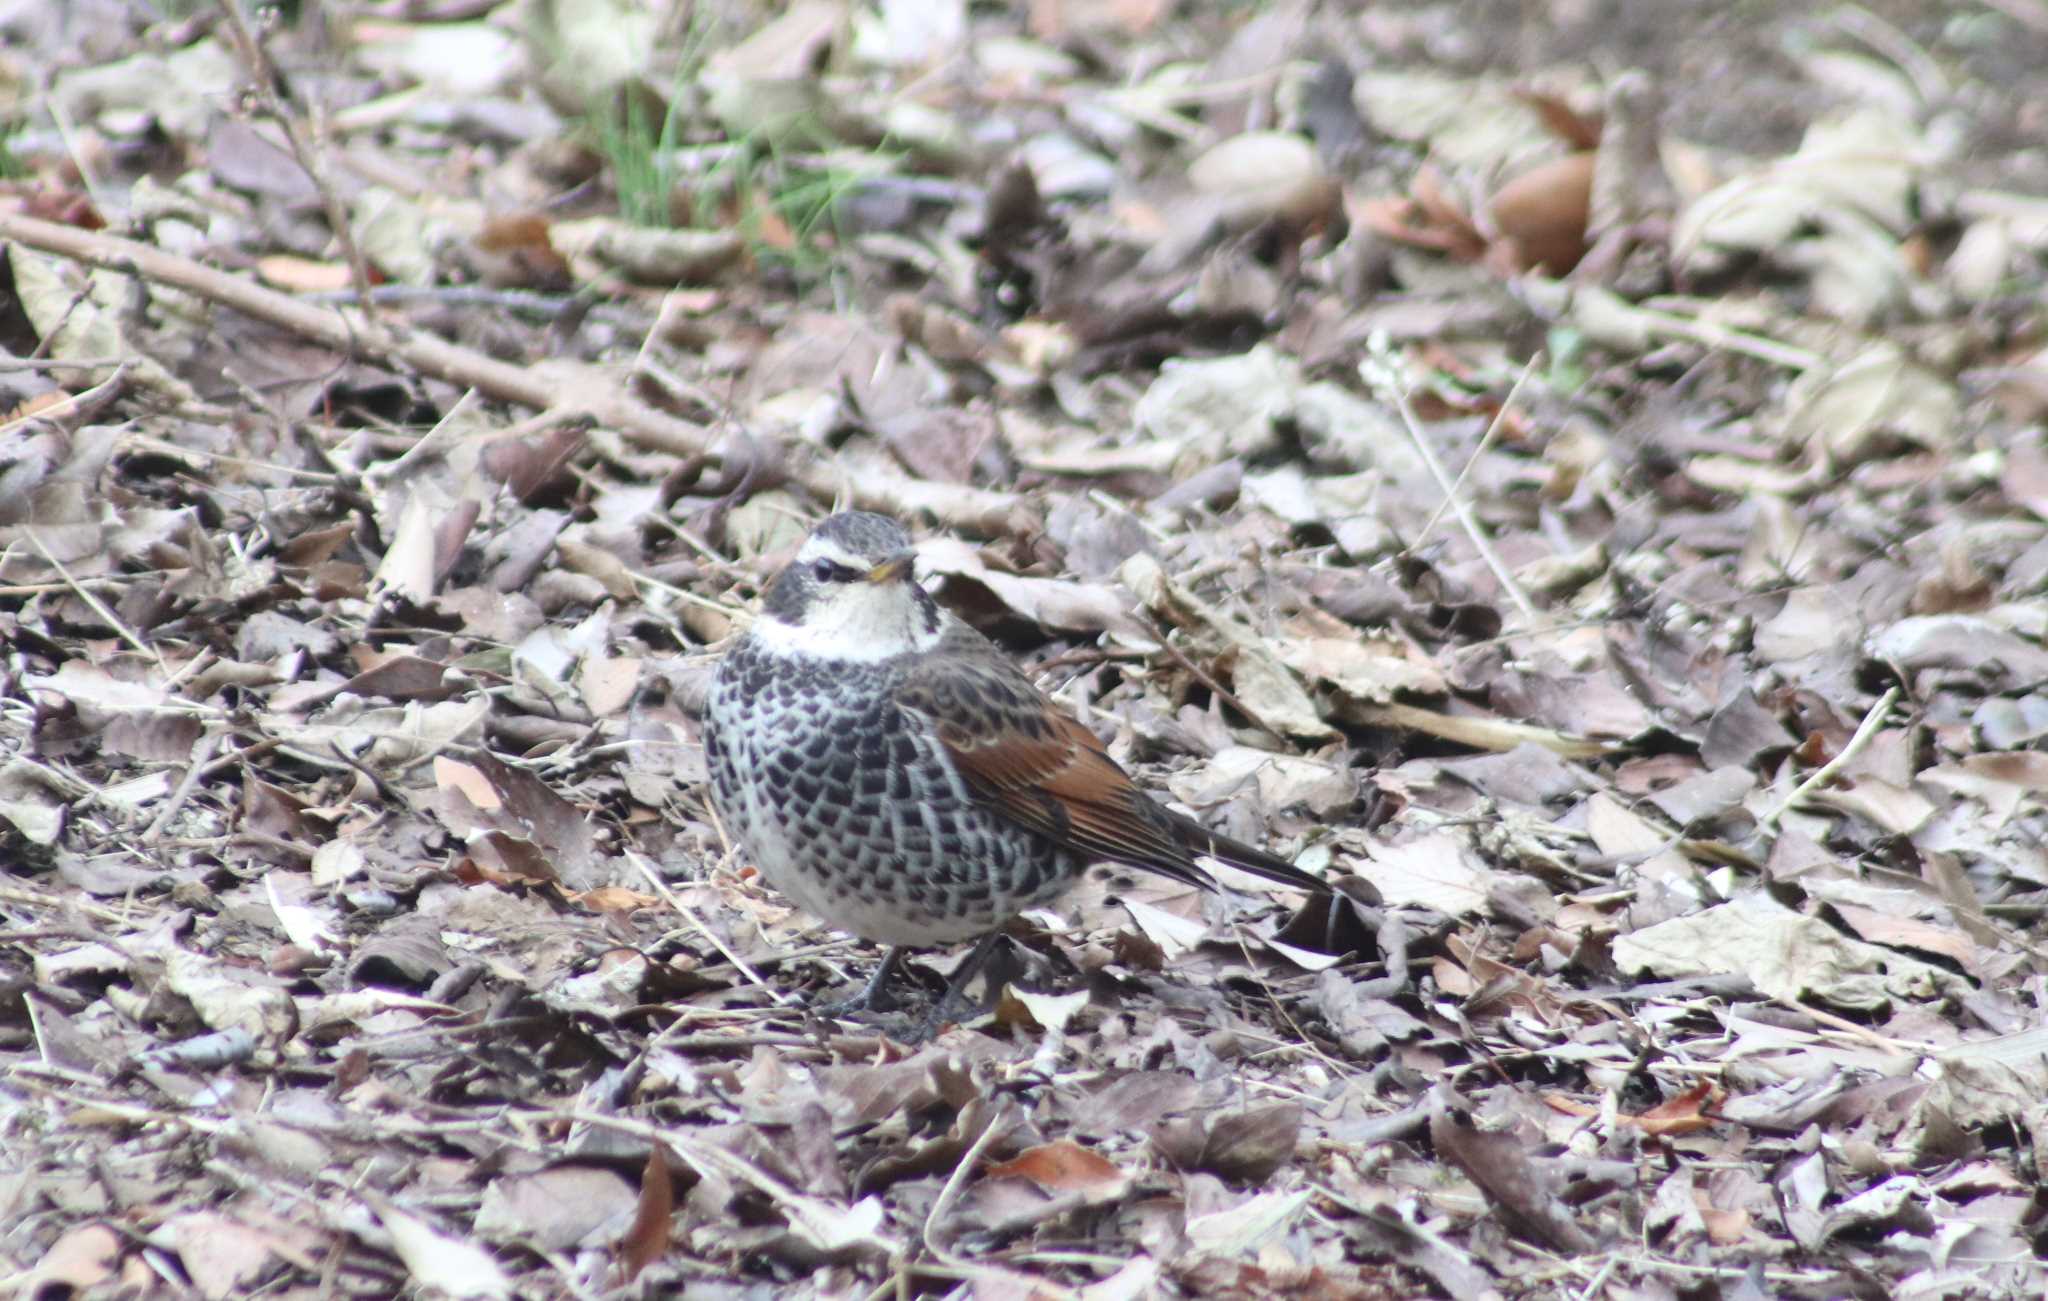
859,631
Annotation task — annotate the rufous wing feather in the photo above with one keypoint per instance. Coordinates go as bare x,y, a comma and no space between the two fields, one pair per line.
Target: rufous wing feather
1065,787
1037,765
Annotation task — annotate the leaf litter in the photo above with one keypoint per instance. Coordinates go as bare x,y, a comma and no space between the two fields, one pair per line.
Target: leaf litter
1591,513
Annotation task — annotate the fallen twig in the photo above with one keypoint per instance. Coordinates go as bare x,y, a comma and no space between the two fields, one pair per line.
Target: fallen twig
997,1127
99,607
264,83
1379,373
689,915
1827,771
566,387
79,407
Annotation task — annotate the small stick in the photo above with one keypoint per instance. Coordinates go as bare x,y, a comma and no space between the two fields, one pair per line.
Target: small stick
83,403
1829,770
263,82
196,766
47,363
1662,322
1221,692
99,607
1493,428
223,458
689,915
1378,371
951,1192
1859,1032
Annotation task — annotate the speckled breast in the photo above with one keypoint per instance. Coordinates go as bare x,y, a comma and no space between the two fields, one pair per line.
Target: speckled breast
848,807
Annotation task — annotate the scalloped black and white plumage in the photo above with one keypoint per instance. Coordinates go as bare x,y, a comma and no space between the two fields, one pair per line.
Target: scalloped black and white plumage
893,772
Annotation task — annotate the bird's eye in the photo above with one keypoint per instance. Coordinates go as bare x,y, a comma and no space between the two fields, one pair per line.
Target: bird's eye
828,572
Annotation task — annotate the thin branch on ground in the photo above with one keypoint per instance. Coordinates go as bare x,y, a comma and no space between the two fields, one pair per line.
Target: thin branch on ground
1828,771
1379,372
1493,428
264,79
689,915
561,387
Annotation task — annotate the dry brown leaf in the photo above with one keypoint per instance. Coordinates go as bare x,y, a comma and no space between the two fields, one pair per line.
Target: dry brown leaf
1541,215
452,774
648,1238
1677,1115
1065,1168
608,684
436,1260
1516,1185
1437,871
1242,1147
84,1257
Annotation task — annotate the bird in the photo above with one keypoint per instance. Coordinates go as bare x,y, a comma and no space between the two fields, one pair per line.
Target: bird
896,774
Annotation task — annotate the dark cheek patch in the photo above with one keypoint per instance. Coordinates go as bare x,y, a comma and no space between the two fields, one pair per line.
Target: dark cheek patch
788,595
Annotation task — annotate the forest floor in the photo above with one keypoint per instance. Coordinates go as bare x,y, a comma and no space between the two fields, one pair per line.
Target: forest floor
1570,473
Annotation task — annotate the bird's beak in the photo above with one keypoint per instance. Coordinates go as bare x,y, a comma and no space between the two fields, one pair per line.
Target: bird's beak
894,568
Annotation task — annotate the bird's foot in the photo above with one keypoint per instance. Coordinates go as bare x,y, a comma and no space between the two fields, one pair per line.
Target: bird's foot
873,996
956,988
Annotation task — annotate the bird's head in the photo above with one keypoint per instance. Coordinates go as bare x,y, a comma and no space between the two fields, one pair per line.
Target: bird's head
849,594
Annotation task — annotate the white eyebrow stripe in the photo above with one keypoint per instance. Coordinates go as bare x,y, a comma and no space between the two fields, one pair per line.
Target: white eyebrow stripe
816,548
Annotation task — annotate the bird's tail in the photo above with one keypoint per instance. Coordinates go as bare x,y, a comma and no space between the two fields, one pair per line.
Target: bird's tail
1200,840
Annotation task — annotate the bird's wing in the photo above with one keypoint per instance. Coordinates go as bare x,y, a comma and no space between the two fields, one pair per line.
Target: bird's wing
1035,764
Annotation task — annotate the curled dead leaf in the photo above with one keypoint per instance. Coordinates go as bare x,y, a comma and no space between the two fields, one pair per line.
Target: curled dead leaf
1541,215
1065,1167
1242,1147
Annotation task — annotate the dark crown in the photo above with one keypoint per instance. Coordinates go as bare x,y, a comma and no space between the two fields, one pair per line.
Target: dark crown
860,535
863,533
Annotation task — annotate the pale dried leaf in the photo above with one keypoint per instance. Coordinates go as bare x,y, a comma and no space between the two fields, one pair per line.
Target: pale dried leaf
1785,954
436,1260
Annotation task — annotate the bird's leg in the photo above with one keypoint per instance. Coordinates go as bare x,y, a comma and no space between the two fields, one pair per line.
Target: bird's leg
872,997
956,988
